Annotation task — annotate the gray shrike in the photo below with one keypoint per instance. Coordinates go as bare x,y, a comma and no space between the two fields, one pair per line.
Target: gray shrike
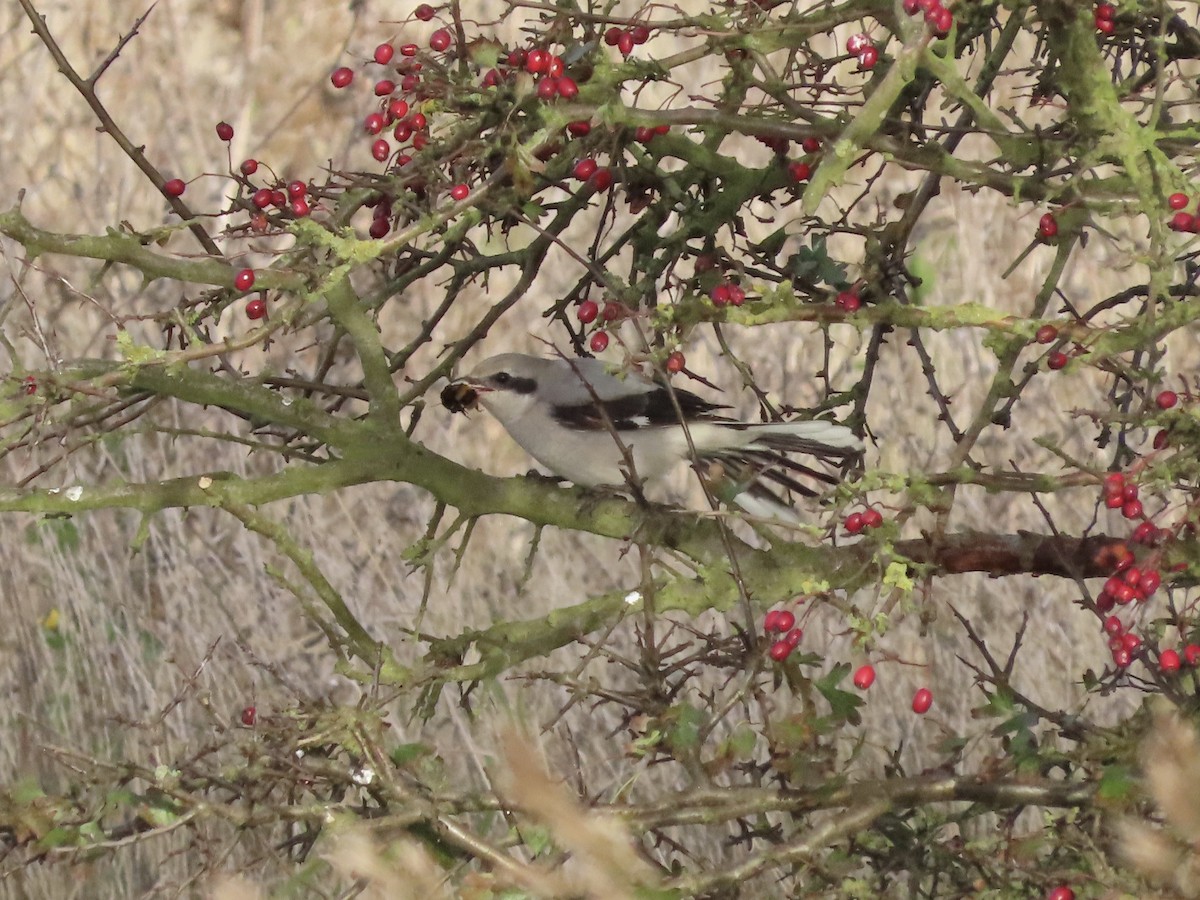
585,424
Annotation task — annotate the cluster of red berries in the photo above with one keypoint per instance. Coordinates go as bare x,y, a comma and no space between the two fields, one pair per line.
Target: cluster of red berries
625,39
727,293
1104,14
644,134
1123,495
782,621
857,521
594,176
588,311
863,49
1182,220
939,19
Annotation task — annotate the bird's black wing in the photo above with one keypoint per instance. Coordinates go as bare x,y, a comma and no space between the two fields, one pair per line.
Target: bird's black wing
643,409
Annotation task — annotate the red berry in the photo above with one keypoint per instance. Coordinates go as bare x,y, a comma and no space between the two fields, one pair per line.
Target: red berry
675,362
296,189
384,54
587,311
408,50
379,227
259,222
381,149
854,523
29,384
1105,602
1062,892
278,198
781,650
585,169
601,180
1113,627
719,294
460,191
786,620
868,57
737,294
249,167
1056,360
579,129
1191,654
1166,399
1168,661
1047,334
424,12
1150,581
1048,226
612,35
256,308
262,198
810,144
794,636
244,280
342,77
849,301
1145,533
911,7
567,88
384,86
225,131
872,518
537,62
300,208
174,188
922,700
1132,509
640,34
418,121
555,68
373,124
440,40
397,109
1114,483
1129,491
1177,201
799,171
1105,10
599,342
864,677
625,43
249,716
1105,26
547,88
1161,437
1122,658
1183,221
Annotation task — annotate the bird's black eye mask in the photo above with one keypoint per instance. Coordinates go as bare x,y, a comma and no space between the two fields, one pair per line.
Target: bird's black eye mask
513,383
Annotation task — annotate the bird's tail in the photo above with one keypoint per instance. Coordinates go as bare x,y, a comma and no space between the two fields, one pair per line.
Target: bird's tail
749,456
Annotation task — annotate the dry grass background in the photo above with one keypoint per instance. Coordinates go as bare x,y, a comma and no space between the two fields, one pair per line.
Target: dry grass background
136,625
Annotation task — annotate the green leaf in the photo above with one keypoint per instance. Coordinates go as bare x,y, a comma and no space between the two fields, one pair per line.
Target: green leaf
1117,783
844,704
